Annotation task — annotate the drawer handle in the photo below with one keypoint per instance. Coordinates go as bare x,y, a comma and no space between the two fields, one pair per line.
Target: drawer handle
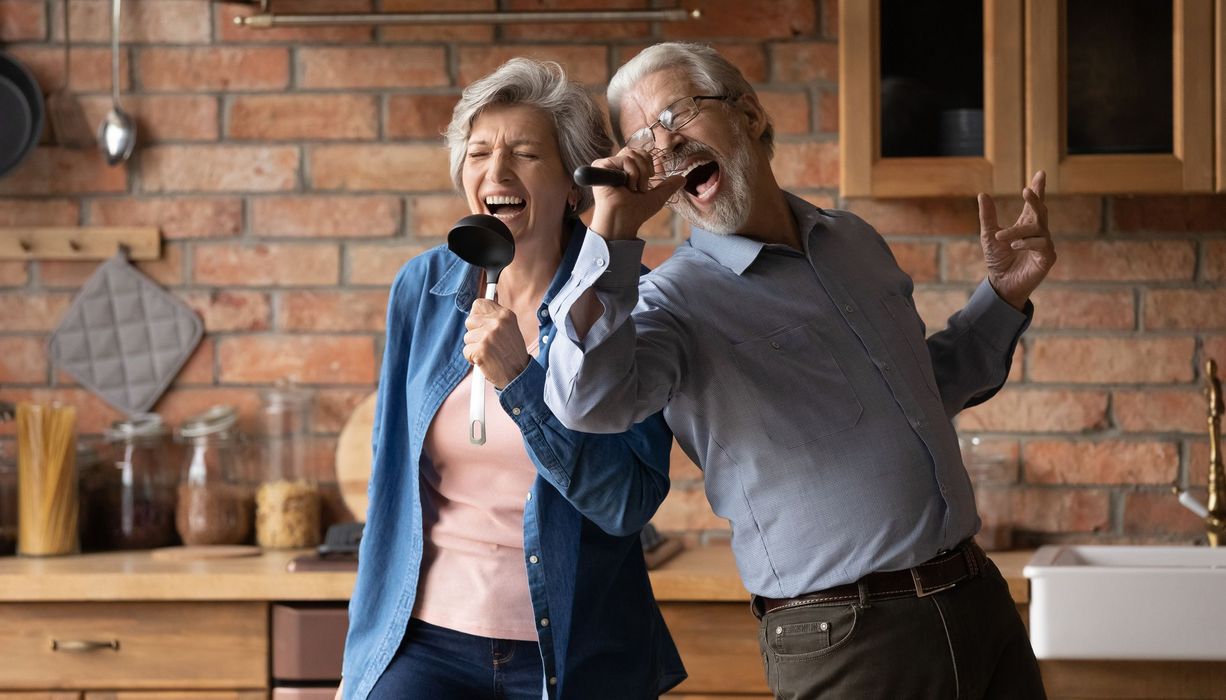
81,645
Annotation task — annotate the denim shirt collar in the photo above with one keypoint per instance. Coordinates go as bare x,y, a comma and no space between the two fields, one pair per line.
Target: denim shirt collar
462,279
737,252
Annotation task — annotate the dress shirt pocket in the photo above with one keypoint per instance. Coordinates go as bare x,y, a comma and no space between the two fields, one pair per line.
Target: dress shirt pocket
906,321
796,386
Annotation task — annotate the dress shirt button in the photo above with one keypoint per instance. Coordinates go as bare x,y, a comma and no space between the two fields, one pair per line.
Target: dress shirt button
774,345
516,411
544,622
849,308
599,262
553,680
534,559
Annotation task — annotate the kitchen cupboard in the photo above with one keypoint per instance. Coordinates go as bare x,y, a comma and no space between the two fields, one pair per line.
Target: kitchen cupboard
1107,96
1219,44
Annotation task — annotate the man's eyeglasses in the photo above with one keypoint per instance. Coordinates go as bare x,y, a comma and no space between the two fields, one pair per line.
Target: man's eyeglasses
675,116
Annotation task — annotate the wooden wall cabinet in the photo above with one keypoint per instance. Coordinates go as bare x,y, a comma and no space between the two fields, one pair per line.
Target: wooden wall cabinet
1219,17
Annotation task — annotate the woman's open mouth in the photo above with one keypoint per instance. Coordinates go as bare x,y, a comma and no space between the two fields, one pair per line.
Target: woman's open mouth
505,206
702,180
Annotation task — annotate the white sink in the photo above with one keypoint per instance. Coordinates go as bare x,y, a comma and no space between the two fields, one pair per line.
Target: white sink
1096,602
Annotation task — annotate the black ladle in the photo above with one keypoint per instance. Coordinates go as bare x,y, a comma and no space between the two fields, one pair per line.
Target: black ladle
482,241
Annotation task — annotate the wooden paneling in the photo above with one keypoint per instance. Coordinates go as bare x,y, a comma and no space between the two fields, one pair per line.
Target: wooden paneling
1134,680
719,646
1220,111
179,695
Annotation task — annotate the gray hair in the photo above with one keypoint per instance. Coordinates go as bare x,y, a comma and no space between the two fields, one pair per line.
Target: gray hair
577,120
710,72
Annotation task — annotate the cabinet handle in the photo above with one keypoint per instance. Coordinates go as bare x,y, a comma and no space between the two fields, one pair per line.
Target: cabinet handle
80,645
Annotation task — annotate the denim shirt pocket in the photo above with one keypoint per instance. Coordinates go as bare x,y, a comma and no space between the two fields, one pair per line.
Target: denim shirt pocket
905,320
796,386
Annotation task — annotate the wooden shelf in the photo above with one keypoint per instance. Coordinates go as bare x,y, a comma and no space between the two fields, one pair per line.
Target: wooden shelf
78,242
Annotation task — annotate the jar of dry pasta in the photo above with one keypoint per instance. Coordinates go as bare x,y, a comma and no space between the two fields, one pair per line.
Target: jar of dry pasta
287,503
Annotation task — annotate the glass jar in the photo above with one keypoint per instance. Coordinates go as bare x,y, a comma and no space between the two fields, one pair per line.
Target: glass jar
8,506
994,479
214,505
134,504
287,510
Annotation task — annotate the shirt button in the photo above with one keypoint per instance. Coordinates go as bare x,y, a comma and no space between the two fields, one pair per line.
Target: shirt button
534,559
599,262
543,313
849,308
516,411
544,622
553,680
774,345
545,339
529,495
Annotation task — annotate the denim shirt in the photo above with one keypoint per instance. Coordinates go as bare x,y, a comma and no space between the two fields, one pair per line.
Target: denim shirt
601,634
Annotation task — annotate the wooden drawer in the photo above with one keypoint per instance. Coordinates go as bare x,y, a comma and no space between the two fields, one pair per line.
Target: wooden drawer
155,645
719,646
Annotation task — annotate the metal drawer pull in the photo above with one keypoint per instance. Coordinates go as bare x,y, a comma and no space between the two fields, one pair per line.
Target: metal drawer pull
79,645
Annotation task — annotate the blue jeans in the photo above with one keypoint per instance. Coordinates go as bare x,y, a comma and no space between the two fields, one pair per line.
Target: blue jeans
436,663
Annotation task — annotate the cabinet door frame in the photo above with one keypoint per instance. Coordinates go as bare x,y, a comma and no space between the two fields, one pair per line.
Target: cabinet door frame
1219,20
1188,169
863,172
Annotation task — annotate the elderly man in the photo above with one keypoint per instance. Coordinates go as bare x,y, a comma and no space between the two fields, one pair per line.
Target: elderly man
784,347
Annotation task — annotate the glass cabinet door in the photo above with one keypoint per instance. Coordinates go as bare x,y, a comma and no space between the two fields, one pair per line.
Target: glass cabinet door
931,97
1119,94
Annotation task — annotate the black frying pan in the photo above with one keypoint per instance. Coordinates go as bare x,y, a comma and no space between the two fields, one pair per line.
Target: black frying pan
21,113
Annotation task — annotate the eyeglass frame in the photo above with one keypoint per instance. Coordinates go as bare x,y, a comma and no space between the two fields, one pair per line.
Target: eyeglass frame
647,133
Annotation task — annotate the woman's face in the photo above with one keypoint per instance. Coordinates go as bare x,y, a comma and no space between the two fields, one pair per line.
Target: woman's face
512,170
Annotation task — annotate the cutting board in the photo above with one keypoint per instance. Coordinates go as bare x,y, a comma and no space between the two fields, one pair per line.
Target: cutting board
353,457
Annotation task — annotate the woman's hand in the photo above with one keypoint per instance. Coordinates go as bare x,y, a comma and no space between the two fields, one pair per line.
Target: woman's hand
620,211
493,342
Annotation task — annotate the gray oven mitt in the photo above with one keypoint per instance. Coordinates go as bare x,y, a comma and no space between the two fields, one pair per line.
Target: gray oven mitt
124,337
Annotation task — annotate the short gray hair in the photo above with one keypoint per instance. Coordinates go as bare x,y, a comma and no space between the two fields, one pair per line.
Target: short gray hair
577,120
710,72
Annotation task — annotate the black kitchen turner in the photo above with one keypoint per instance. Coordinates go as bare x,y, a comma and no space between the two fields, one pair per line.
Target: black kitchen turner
482,241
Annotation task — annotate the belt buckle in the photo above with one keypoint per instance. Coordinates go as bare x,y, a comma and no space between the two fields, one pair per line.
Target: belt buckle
919,587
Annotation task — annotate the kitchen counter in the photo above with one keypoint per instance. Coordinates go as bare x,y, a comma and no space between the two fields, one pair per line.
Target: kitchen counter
700,574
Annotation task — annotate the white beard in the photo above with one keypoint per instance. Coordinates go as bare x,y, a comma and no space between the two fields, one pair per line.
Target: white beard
730,208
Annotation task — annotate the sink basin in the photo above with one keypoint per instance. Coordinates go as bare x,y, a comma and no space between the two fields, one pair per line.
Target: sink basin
1104,602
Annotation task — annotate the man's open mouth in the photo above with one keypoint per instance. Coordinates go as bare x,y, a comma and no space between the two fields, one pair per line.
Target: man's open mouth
701,177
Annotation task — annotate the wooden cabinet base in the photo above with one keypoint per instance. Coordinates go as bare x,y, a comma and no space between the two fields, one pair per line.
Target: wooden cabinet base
1134,680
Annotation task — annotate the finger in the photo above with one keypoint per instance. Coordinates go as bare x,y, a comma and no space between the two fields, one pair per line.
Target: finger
485,307
1035,205
1020,231
987,214
665,189
635,175
1032,243
644,169
1038,183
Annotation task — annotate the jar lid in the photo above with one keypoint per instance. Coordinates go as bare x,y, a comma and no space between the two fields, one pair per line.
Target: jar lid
138,425
285,396
216,419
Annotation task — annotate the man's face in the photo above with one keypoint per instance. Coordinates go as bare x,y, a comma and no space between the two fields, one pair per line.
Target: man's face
713,150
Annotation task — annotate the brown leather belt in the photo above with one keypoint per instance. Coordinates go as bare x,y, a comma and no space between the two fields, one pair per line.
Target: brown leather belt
940,573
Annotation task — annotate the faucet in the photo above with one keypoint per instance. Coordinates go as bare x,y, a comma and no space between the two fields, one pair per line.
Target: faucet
1215,514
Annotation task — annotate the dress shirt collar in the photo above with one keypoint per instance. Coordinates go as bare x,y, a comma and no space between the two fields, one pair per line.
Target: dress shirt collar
737,253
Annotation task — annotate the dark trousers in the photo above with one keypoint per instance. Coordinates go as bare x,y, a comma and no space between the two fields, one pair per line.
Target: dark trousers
436,663
967,642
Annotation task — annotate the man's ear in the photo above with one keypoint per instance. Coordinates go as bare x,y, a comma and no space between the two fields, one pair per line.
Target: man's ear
755,115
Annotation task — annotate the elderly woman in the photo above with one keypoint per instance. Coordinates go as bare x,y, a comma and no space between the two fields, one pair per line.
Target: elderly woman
511,569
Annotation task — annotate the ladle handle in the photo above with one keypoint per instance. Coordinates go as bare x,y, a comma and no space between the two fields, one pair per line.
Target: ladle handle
591,176
476,403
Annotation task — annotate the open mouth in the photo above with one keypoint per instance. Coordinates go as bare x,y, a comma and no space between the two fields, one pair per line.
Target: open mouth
701,178
504,206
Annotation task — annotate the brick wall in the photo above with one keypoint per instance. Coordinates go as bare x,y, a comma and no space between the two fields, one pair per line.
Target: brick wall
292,172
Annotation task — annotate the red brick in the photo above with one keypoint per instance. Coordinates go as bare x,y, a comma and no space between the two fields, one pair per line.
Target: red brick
161,117
231,310
160,22
570,31
32,311
1185,309
229,32
313,117
1111,360
299,358
1063,510
1198,464
919,216
213,69
1214,348
419,116
804,61
747,20
1026,410
39,212
166,270
1214,257
23,20
1160,411
325,216
935,306
1170,213
332,311
378,264
660,226
219,168
372,67
438,32
181,403
1073,215
14,273
91,67
809,164
1092,261
1159,513
828,111
687,509
748,57
334,406
1061,307
919,260
830,19
1108,462
432,216
93,414
23,360
587,64
176,217
789,111
64,171
395,168
265,265
199,367
655,254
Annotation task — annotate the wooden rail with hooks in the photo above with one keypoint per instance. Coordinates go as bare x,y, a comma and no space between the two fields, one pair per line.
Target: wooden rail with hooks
78,242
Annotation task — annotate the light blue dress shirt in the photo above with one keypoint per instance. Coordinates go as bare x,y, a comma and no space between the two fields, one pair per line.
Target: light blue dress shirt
801,383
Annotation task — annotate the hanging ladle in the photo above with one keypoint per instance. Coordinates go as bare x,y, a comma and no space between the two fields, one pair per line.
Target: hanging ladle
482,241
117,133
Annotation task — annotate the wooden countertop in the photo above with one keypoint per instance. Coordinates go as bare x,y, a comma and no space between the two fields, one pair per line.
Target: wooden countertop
698,574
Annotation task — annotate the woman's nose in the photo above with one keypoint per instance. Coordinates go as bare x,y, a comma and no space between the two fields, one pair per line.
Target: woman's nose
500,168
